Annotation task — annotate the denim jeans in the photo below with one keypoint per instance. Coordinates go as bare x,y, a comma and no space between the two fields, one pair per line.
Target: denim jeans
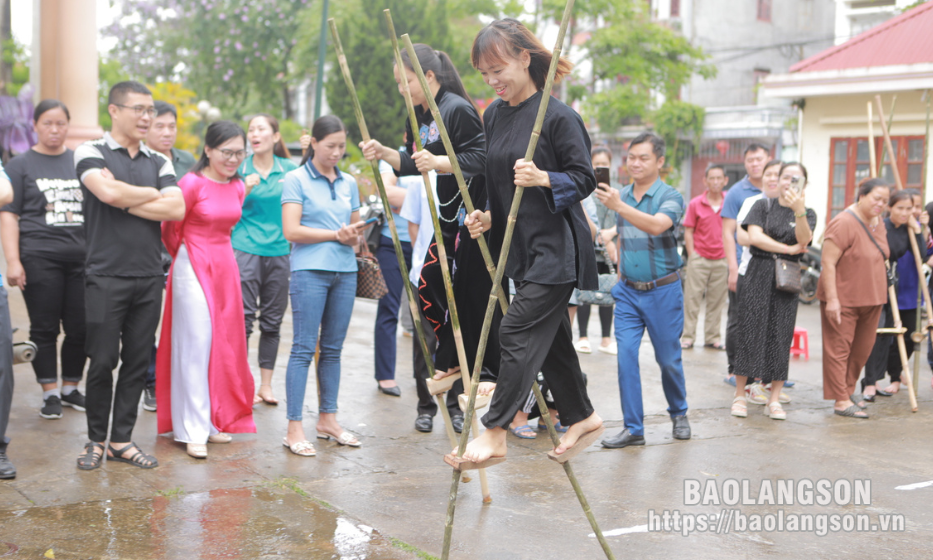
322,301
661,311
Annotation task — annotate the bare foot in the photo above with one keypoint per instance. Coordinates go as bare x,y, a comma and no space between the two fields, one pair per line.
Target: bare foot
490,443
265,395
594,422
485,388
438,375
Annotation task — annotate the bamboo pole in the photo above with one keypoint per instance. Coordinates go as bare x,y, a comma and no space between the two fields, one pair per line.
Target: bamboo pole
449,148
403,267
892,296
890,124
438,234
493,299
923,185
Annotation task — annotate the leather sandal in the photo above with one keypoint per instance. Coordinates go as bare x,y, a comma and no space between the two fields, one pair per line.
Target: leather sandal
740,407
302,448
89,460
345,438
138,459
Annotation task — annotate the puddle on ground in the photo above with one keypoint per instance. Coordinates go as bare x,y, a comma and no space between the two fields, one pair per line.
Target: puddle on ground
242,523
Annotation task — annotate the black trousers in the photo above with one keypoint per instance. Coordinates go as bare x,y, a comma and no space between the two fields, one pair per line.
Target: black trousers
122,317
536,336
732,325
54,296
885,356
427,404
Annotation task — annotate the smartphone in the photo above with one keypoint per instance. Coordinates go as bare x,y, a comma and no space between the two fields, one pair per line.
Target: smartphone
796,183
372,220
602,175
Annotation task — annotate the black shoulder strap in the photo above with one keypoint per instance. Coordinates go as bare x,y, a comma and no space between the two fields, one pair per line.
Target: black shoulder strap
868,233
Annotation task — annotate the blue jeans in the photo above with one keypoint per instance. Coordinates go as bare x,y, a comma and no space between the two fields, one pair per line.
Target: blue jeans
661,311
320,300
387,312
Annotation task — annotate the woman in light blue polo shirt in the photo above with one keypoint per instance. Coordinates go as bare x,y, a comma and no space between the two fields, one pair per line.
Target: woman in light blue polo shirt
321,218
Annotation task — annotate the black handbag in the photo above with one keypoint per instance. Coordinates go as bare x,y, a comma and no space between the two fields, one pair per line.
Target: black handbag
602,295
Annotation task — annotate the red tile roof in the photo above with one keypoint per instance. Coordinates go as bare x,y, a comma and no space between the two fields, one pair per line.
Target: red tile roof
905,39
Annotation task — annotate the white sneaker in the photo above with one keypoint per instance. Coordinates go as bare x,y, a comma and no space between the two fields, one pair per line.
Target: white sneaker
756,394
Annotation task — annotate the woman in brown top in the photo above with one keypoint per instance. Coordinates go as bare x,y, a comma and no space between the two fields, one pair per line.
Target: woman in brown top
853,287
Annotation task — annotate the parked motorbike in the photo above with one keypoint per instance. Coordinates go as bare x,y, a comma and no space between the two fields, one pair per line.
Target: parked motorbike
23,352
809,274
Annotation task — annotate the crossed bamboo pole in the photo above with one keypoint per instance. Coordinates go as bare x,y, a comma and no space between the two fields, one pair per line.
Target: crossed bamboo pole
403,267
892,295
438,235
494,299
923,173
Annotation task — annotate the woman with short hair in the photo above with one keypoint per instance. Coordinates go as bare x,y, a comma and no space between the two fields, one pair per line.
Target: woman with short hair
852,289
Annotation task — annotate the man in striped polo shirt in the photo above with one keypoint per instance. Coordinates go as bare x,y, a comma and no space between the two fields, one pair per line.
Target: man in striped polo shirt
649,294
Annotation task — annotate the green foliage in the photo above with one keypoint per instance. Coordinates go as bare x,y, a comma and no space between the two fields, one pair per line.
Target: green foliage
675,120
14,56
111,72
369,54
235,53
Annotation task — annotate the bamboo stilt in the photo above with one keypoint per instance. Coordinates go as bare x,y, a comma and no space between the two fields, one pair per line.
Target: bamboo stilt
439,239
872,157
905,373
884,147
493,300
403,267
892,296
923,185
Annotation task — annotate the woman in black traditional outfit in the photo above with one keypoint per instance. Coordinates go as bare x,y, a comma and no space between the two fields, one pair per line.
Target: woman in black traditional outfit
470,278
551,250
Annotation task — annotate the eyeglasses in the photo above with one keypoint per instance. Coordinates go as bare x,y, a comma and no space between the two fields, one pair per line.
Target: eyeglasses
232,154
140,110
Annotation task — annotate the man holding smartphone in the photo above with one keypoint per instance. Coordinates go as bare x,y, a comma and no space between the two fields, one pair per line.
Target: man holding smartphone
648,295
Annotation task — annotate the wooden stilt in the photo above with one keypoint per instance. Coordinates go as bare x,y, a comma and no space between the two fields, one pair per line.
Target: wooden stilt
494,299
439,239
403,267
923,185
892,295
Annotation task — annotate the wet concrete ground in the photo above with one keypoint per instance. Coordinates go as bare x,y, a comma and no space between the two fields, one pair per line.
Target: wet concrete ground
387,500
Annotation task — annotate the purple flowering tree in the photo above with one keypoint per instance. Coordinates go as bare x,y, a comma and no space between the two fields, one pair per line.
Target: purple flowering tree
237,53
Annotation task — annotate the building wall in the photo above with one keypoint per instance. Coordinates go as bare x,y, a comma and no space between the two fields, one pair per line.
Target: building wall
744,48
830,117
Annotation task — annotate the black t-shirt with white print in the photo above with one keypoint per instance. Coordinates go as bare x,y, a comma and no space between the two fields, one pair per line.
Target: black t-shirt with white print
119,243
47,198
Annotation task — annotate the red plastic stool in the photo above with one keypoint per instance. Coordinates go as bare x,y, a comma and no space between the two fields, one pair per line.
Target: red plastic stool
801,344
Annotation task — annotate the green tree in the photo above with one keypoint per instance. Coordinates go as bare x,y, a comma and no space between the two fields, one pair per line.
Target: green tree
236,53
370,58
642,66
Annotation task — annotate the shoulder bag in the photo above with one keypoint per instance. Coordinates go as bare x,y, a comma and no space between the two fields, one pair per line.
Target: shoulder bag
370,283
602,295
786,271
890,270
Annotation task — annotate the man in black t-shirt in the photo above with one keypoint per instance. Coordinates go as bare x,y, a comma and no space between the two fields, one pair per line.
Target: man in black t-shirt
128,189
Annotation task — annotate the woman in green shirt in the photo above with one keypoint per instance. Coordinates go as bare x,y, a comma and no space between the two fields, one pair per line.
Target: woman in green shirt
262,252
